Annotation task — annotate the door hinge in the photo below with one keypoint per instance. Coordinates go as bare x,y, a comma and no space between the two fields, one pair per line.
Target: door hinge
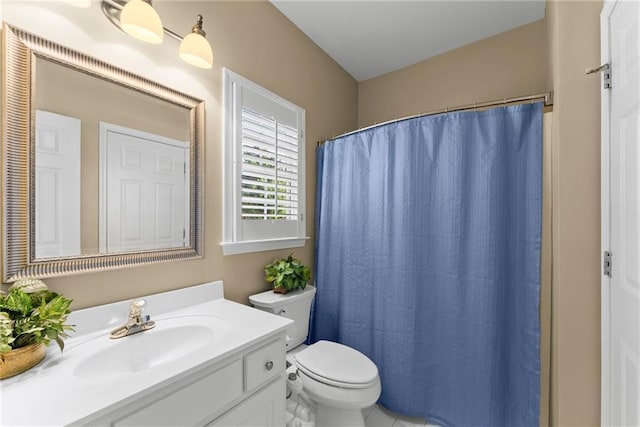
606,263
606,74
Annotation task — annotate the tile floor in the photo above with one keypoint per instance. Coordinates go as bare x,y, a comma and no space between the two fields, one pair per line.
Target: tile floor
378,416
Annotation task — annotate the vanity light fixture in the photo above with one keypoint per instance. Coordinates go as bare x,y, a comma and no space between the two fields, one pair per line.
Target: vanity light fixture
139,19
195,49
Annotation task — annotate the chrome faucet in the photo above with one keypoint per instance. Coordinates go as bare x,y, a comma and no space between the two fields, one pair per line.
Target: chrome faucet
137,322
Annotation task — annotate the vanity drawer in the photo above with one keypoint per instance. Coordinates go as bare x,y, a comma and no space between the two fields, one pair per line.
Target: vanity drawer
263,364
193,403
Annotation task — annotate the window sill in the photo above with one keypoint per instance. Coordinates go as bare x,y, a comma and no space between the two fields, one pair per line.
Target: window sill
235,248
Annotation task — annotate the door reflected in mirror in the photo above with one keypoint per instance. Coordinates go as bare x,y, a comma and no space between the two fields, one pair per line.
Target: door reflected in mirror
111,166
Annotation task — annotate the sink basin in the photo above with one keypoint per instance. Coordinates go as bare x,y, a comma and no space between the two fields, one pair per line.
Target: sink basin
171,340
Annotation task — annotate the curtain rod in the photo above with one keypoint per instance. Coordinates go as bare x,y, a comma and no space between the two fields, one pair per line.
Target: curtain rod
547,97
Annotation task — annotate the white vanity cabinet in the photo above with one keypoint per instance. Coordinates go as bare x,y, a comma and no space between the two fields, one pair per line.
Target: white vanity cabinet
246,389
208,361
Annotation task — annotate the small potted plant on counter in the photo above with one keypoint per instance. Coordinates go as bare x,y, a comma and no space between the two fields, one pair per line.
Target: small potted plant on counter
31,316
287,274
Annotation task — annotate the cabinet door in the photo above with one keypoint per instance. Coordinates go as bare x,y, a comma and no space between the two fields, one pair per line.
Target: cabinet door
264,409
192,403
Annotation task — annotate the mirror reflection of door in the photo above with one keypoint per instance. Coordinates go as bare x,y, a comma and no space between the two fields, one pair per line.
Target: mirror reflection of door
144,202
57,182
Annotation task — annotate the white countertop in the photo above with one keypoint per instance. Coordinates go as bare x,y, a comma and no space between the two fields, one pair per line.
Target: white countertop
52,394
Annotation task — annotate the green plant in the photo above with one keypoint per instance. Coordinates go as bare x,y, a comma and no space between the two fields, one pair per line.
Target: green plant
287,274
31,314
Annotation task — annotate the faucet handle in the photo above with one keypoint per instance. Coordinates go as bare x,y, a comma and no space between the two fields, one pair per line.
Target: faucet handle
137,305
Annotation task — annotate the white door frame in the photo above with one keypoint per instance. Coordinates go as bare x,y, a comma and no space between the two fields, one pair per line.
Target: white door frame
605,194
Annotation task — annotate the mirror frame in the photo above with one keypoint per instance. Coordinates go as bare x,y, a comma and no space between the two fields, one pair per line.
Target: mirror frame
20,50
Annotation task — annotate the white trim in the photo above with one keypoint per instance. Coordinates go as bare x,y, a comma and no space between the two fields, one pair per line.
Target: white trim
605,282
234,248
231,227
228,164
229,75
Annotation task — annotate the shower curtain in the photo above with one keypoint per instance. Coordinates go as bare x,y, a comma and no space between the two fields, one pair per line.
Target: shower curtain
428,238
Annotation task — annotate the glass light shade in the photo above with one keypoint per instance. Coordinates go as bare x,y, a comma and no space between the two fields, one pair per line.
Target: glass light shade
196,50
140,20
79,3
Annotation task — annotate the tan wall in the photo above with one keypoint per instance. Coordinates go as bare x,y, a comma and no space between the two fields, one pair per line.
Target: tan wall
253,39
71,93
506,65
574,41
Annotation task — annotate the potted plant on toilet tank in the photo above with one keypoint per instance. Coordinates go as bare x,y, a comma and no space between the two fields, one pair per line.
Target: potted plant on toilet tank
287,274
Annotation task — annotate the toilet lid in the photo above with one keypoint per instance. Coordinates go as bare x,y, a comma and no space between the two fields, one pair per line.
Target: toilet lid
337,364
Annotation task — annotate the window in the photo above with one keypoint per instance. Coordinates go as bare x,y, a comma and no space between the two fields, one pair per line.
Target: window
264,181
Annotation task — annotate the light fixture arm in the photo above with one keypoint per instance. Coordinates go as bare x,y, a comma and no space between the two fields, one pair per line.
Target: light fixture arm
112,9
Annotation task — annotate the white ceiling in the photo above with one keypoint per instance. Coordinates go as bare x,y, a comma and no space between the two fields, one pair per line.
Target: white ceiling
371,37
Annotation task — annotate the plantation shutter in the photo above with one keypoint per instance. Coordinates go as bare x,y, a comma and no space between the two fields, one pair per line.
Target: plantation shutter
269,140
269,173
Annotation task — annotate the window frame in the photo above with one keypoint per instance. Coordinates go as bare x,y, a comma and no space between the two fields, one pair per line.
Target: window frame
232,242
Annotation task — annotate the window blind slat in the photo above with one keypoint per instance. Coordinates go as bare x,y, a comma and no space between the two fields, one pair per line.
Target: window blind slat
288,188
256,160
258,140
288,147
287,175
286,156
257,192
263,170
259,202
254,182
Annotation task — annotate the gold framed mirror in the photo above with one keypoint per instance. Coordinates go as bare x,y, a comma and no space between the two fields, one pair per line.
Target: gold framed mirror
102,169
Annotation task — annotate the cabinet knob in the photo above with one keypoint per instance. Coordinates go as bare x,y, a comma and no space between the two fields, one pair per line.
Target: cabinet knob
269,365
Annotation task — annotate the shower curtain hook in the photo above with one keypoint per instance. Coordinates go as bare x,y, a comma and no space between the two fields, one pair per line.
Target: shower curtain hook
475,107
504,102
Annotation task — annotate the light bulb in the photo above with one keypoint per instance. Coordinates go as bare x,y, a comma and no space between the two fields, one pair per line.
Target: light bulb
195,49
140,20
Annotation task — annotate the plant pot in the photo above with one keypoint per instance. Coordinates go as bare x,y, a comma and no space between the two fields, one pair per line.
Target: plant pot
280,290
16,361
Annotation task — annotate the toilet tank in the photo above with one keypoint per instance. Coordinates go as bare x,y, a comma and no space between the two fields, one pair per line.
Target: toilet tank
294,305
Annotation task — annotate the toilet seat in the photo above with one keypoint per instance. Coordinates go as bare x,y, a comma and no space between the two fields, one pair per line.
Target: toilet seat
337,365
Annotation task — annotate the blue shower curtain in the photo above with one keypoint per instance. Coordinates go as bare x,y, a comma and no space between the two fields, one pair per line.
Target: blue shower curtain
428,261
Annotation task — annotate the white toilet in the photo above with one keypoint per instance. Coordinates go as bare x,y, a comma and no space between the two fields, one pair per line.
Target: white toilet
340,380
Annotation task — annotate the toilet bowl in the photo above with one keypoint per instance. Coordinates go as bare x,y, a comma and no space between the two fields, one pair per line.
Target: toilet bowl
340,380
